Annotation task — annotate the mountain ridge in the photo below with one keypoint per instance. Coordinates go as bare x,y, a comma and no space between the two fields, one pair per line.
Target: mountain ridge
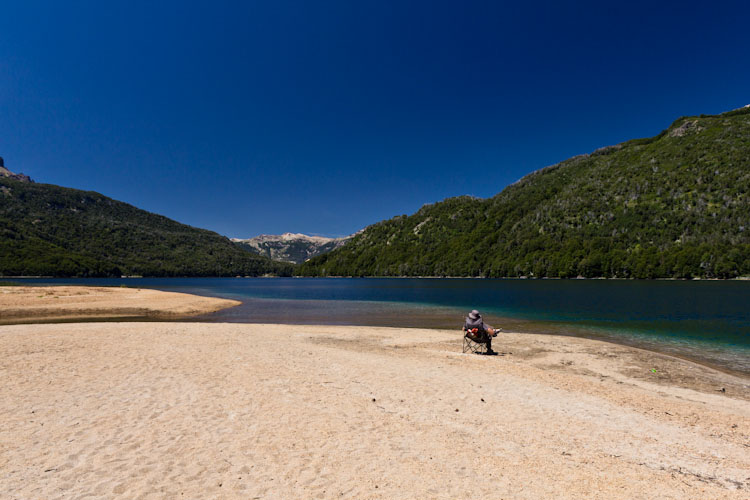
290,247
49,230
671,206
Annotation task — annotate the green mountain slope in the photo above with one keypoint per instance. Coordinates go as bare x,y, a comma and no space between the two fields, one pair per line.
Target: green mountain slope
54,231
675,205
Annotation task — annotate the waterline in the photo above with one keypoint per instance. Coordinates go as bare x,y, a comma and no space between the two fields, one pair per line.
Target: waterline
708,322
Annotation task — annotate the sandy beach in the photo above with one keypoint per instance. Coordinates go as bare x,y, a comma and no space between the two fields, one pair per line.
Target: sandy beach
20,304
191,410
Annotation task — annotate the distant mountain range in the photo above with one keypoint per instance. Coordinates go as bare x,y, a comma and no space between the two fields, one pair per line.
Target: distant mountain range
672,206
290,247
48,230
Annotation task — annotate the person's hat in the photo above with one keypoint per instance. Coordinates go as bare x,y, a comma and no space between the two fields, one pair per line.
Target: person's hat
474,314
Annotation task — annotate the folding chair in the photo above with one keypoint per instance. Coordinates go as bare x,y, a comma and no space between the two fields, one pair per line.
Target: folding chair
474,344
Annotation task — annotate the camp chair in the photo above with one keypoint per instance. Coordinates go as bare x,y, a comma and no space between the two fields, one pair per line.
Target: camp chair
473,343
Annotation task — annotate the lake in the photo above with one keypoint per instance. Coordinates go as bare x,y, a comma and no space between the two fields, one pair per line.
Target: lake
706,321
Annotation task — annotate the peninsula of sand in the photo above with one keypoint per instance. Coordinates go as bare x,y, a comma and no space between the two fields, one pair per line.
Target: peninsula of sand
251,411
44,303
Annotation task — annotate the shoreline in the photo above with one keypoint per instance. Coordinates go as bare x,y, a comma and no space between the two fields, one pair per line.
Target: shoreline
73,303
649,348
187,319
289,411
524,326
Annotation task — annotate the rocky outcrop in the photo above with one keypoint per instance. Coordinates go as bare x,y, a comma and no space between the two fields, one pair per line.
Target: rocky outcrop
4,172
290,247
690,126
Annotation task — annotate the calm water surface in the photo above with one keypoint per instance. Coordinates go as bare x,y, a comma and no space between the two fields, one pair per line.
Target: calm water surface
708,321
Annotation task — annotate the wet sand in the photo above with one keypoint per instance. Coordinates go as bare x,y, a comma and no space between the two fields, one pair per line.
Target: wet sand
722,356
195,410
19,304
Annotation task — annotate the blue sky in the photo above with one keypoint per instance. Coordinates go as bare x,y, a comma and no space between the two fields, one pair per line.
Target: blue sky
324,117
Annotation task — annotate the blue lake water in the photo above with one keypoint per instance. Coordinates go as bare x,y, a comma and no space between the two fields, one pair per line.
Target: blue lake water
707,321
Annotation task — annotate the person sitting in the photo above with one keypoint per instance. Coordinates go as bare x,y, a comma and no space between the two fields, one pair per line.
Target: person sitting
479,331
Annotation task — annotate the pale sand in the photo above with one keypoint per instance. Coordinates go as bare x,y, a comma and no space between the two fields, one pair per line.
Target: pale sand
43,303
190,410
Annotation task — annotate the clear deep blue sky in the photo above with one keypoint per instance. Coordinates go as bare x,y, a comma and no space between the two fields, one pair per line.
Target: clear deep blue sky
326,116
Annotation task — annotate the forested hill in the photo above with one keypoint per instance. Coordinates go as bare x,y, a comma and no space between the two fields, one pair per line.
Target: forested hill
54,231
675,205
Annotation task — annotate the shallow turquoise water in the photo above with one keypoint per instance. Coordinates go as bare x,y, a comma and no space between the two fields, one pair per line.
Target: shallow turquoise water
708,321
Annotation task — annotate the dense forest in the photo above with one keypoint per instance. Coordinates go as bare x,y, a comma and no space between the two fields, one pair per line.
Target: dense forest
672,206
47,230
